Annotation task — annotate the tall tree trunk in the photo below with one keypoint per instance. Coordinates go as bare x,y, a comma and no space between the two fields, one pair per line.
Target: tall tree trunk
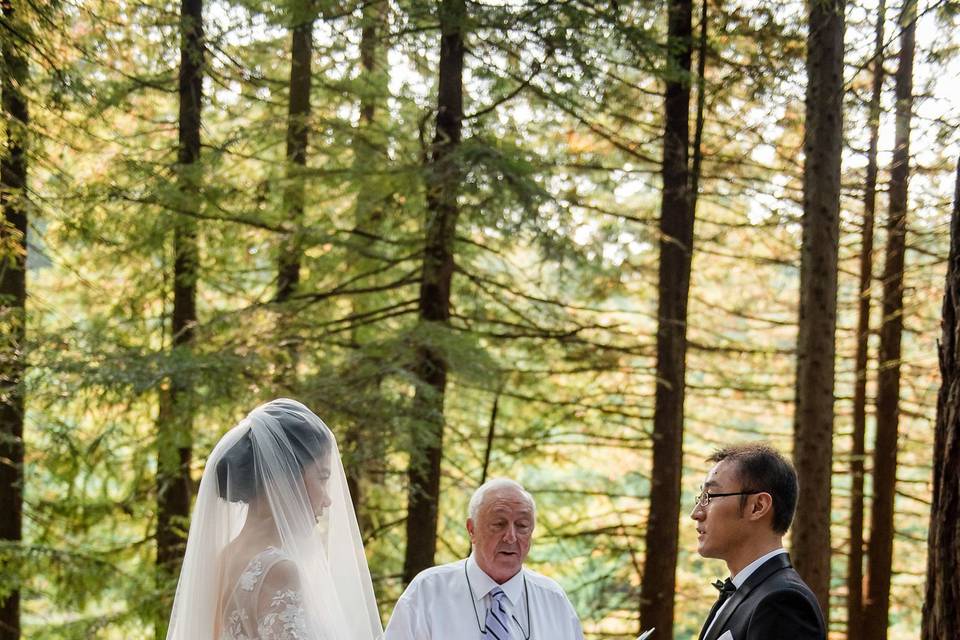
298,129
370,155
443,178
816,346
369,146
942,601
697,148
880,558
175,420
858,454
676,251
491,432
13,299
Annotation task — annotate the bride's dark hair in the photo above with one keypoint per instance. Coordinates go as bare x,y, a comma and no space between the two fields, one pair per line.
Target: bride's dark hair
298,439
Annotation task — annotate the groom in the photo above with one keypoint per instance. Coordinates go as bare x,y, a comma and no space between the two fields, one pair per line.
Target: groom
744,509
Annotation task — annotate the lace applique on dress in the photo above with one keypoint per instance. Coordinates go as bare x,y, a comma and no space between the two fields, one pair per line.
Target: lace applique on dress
251,613
286,618
235,627
248,581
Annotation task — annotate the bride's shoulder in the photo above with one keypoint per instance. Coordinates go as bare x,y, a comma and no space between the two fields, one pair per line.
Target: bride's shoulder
270,563
279,569
273,554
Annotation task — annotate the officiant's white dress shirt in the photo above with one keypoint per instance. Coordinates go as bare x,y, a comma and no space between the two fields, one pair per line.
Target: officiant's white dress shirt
437,605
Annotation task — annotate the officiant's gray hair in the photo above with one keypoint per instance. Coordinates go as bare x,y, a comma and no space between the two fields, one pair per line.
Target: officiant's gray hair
495,484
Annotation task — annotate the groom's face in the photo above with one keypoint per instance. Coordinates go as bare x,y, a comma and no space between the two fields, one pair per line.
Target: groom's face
501,533
721,528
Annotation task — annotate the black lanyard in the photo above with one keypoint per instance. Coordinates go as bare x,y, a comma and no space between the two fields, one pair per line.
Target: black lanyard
526,598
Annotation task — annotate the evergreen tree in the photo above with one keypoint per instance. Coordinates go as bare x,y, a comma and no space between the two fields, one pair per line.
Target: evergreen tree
13,294
175,419
880,554
443,179
816,342
676,255
858,454
942,597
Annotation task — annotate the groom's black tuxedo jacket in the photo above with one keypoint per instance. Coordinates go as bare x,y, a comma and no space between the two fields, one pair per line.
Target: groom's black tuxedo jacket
773,604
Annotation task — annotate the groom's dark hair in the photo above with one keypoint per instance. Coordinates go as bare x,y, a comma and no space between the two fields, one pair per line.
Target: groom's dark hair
760,467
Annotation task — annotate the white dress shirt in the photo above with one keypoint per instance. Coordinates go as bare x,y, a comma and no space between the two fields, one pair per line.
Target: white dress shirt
437,605
741,577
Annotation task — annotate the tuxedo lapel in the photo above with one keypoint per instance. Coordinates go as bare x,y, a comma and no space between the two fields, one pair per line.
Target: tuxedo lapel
764,571
713,611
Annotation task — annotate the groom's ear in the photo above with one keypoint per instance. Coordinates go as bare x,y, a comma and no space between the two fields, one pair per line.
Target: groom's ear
470,528
762,505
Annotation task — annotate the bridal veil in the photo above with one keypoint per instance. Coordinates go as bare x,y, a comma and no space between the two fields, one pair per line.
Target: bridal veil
273,508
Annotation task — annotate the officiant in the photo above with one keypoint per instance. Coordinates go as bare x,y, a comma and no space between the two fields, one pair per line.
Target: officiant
489,595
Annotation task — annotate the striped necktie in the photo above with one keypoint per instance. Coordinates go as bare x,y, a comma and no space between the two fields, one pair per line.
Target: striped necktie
496,625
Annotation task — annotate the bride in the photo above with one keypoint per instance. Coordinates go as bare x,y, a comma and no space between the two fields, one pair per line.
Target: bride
274,551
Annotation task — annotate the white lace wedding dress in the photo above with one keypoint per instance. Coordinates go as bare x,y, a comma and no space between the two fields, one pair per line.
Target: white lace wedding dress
274,551
266,603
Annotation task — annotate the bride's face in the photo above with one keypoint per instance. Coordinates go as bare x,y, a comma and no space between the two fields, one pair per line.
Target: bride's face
316,476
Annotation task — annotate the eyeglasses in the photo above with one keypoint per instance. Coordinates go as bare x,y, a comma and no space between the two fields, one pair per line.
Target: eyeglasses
704,497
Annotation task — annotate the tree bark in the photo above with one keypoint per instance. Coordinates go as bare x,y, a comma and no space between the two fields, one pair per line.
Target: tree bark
876,609
298,129
942,601
175,420
491,432
370,145
676,251
697,148
370,155
443,178
13,299
816,345
858,453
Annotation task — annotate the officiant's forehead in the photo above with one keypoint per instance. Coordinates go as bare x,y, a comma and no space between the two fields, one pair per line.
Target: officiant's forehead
507,501
503,489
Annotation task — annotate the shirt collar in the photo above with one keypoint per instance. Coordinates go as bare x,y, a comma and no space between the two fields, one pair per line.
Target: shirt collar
484,584
748,570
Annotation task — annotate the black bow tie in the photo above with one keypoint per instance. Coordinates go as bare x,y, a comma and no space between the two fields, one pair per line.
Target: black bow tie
726,588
